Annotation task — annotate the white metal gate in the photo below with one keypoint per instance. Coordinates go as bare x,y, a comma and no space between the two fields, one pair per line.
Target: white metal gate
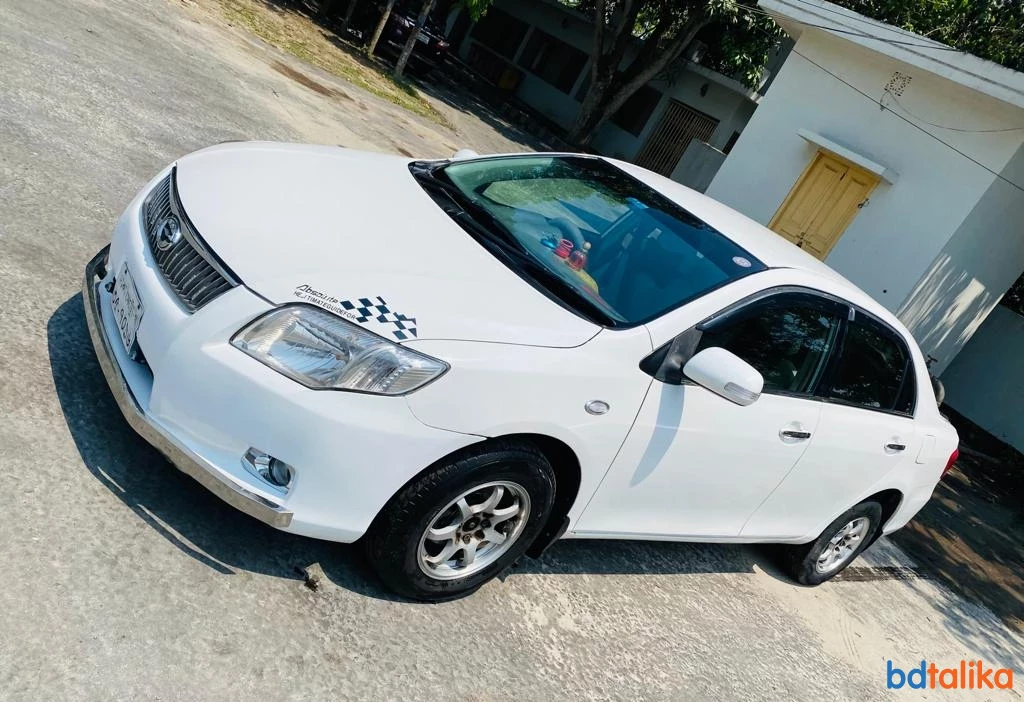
666,144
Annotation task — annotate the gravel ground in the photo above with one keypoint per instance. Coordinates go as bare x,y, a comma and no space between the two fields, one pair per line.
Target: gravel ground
123,579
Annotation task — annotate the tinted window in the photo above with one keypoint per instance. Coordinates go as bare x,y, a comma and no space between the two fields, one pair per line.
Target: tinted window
500,32
552,60
786,337
873,369
638,254
637,109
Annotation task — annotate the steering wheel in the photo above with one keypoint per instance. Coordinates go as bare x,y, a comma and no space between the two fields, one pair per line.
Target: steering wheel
569,231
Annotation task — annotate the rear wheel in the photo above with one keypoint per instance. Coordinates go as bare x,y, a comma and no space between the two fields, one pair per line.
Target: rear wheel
459,525
837,546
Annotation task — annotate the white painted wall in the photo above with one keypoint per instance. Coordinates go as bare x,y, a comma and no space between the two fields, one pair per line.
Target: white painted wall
895,239
986,381
972,272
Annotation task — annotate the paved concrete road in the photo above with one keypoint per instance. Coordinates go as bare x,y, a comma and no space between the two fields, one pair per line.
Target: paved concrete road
122,579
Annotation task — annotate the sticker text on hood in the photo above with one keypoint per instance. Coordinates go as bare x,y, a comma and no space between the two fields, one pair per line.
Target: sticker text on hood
361,310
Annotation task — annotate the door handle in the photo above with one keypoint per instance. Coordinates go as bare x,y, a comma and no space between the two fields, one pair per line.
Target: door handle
893,446
795,434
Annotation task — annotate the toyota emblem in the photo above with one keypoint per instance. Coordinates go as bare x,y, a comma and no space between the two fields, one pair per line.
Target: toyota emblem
168,233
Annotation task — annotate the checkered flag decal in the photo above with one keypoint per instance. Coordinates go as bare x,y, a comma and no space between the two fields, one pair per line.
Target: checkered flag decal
366,310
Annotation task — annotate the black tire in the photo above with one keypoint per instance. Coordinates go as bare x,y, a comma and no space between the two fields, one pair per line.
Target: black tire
802,561
393,540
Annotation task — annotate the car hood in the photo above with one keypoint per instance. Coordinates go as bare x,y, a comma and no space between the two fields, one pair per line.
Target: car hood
354,233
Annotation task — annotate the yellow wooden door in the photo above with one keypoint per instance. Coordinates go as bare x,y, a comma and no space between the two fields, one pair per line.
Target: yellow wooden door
821,205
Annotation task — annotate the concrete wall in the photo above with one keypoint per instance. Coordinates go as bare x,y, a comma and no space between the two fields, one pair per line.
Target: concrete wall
895,239
986,381
731,108
724,99
698,166
973,270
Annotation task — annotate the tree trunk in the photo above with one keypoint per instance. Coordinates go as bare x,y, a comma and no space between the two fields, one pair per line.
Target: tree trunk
604,99
348,15
414,33
586,121
380,28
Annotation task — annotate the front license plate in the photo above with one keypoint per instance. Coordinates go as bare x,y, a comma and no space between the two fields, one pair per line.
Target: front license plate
127,307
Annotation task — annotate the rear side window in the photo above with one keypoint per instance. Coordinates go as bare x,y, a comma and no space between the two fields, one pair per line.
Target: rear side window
786,337
874,369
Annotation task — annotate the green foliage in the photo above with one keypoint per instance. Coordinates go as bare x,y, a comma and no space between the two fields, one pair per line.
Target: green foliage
991,29
738,41
476,8
740,44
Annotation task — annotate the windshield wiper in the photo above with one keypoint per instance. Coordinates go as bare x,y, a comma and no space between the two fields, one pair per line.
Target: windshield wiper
492,233
484,222
519,258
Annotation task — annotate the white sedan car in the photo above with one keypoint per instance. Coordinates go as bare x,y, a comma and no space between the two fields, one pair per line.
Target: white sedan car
459,362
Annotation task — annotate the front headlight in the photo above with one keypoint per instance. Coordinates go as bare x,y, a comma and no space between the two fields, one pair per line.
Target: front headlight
325,352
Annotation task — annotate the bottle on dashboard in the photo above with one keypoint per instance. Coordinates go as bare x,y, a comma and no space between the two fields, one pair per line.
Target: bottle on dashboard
578,259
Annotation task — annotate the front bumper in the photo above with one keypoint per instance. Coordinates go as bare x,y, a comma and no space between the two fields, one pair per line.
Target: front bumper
203,403
184,459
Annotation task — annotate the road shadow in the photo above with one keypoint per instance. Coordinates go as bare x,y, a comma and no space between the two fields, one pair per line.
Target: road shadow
456,86
964,615
970,535
223,539
452,83
226,541
191,519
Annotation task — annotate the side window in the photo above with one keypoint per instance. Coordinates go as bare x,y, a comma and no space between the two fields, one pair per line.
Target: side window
786,337
874,369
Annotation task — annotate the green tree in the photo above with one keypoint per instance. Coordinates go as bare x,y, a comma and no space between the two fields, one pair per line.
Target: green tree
636,40
475,8
991,29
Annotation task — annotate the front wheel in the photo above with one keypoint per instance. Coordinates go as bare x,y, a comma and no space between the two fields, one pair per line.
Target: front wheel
459,525
839,544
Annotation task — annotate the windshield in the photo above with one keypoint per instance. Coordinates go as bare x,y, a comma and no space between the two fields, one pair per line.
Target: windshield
603,243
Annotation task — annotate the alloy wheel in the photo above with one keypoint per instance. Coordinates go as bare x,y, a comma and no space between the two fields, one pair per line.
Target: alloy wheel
843,545
474,530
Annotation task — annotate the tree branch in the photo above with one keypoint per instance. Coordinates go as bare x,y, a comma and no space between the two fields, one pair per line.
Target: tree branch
639,74
599,29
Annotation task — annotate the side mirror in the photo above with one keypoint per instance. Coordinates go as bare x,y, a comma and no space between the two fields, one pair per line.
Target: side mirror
726,374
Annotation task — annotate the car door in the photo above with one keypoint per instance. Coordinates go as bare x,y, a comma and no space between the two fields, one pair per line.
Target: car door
866,430
697,465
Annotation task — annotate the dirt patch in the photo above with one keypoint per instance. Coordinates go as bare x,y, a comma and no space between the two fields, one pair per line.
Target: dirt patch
303,79
402,150
970,535
290,29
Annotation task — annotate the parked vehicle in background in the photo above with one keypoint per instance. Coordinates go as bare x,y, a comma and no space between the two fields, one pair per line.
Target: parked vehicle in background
432,47
458,362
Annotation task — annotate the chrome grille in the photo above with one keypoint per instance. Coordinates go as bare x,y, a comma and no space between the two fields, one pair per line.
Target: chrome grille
189,269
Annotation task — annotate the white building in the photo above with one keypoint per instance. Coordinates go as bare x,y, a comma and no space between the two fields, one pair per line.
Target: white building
539,52
900,162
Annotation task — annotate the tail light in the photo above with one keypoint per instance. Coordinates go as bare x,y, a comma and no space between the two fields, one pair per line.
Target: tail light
949,464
